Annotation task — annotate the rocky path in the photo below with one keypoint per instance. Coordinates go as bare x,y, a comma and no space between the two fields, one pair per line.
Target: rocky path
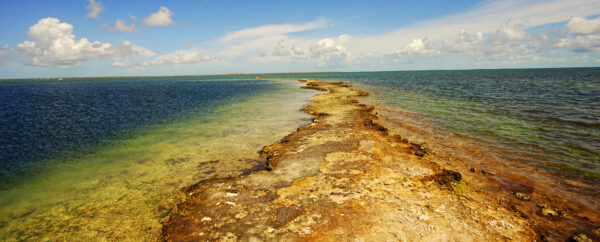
341,178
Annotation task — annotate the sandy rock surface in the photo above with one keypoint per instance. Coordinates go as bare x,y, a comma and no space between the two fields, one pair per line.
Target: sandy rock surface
342,178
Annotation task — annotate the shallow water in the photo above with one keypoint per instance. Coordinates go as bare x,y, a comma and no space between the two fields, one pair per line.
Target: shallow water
534,131
534,128
123,182
548,115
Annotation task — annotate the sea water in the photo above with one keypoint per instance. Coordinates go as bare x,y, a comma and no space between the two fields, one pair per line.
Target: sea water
106,158
91,170
538,130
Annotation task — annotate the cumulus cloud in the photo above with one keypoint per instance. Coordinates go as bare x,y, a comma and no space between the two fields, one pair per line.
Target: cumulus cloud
509,43
504,42
282,49
508,31
580,43
330,50
271,30
582,25
417,48
120,26
465,42
94,8
177,58
54,44
161,18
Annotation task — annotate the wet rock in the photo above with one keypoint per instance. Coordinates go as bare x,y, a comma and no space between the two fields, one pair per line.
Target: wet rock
375,123
522,196
418,150
489,173
579,237
548,211
517,211
269,153
447,177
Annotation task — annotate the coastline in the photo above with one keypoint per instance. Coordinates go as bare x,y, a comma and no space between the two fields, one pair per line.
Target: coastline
344,177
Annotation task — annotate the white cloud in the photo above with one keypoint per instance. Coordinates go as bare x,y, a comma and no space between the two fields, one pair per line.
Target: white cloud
330,51
271,30
505,42
161,18
177,58
497,34
484,18
509,44
282,49
582,25
94,8
127,62
510,31
54,44
580,43
417,48
464,43
120,26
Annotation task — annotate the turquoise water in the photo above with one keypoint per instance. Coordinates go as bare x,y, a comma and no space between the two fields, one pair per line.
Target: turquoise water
105,158
549,116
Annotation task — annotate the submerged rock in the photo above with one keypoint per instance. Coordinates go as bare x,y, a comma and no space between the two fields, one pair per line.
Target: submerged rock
418,150
550,211
343,178
447,177
174,161
522,196
580,237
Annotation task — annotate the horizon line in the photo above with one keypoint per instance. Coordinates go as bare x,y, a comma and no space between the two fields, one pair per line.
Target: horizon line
275,73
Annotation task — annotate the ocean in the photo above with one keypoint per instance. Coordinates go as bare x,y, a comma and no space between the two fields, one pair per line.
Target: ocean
89,157
107,157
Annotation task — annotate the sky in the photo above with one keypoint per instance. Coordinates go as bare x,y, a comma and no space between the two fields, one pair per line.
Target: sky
66,38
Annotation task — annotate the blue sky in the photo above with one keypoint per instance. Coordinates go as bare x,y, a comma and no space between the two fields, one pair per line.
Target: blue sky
105,37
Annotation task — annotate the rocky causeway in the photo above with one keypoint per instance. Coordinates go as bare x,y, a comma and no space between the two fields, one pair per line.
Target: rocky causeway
347,177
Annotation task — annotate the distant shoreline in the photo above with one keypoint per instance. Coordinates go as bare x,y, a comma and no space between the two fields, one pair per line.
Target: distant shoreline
224,74
283,73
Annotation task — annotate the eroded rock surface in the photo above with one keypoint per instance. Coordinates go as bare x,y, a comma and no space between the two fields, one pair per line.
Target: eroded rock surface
343,177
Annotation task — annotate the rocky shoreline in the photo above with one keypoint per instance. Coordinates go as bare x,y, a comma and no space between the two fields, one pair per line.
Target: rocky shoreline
345,177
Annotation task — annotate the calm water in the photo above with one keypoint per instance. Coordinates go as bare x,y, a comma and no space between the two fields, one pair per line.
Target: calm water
41,119
550,116
106,158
